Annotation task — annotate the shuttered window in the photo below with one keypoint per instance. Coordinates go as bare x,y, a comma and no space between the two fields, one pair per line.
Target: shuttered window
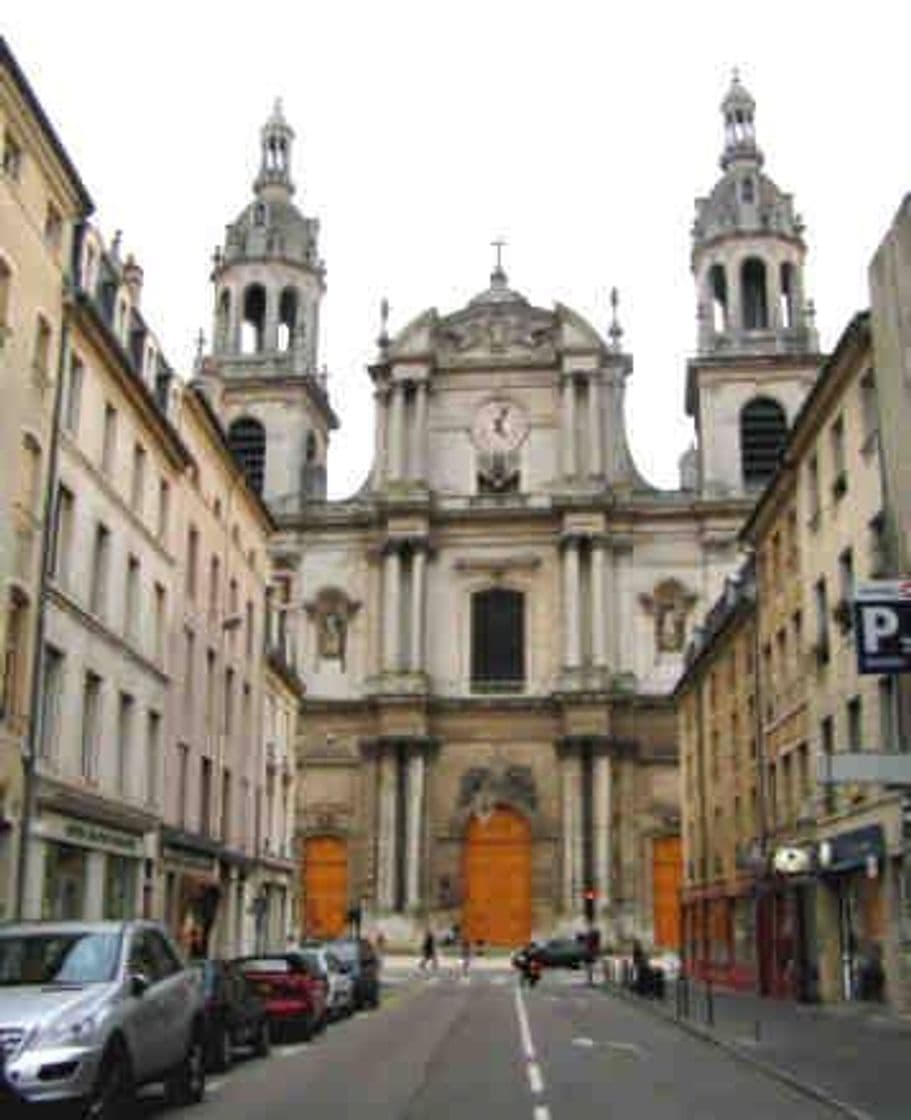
497,640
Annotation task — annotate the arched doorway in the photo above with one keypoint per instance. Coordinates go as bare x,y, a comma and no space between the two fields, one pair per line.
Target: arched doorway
325,886
497,870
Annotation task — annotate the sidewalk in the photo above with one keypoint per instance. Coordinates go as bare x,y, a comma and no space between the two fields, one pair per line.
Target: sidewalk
855,1056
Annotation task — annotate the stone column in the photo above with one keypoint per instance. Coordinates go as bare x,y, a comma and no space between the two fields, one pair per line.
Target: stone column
418,561
396,430
381,397
419,435
599,622
386,838
571,602
602,825
392,582
572,833
568,390
595,462
414,829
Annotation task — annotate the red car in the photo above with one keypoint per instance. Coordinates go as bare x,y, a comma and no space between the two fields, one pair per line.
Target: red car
294,996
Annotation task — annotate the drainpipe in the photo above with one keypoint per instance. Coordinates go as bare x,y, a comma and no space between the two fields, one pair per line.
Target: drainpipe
30,746
761,802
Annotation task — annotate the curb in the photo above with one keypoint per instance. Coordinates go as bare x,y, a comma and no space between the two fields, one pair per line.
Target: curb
775,1073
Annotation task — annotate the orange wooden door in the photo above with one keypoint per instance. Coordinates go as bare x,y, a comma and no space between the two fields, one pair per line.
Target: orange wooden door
325,893
497,870
667,871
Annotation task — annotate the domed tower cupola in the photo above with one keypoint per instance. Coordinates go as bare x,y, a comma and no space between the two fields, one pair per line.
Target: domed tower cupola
757,347
269,281
276,137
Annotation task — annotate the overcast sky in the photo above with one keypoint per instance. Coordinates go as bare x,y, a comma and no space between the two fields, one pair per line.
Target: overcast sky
580,132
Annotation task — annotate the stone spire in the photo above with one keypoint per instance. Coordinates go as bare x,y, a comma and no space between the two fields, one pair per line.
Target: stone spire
739,109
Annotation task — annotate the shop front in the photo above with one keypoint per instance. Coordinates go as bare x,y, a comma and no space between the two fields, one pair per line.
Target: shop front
82,869
718,925
193,894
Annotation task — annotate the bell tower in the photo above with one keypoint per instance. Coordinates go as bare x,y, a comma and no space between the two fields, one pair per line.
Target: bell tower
261,376
757,347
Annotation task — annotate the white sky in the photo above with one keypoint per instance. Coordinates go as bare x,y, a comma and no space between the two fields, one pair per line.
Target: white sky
580,132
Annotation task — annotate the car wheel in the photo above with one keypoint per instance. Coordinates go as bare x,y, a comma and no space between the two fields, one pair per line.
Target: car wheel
222,1056
263,1042
112,1093
187,1084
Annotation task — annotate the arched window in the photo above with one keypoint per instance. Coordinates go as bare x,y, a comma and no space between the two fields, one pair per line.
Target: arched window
753,298
247,440
786,296
253,331
287,318
6,278
718,291
311,448
747,191
763,430
497,640
223,320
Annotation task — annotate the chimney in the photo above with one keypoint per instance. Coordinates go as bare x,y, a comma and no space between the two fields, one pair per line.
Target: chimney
132,277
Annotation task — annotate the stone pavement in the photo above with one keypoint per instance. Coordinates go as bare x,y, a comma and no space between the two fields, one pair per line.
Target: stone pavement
855,1056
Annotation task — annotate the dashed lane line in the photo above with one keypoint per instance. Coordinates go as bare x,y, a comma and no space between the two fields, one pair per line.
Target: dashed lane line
542,1112
535,1080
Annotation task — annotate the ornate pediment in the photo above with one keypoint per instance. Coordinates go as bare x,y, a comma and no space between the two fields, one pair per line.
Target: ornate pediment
499,334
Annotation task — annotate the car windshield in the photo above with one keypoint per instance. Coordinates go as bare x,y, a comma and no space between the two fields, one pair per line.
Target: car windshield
59,958
345,951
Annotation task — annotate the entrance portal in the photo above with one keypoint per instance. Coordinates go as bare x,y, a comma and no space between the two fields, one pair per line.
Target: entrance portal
497,873
325,874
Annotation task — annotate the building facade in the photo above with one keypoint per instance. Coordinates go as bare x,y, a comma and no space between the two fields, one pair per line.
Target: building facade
824,861
42,200
490,628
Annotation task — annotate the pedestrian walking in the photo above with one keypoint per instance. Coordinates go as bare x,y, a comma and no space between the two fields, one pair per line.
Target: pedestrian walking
465,954
429,952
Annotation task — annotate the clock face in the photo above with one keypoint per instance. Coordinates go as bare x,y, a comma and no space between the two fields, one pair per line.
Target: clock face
499,426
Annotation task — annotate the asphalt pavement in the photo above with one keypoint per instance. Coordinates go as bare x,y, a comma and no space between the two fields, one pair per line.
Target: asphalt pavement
444,1046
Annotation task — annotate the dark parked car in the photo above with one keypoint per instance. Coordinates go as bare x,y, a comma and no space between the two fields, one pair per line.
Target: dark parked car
235,1015
359,956
558,952
294,997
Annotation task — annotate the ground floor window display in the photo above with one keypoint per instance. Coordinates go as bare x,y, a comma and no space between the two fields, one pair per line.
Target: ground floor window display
65,880
120,887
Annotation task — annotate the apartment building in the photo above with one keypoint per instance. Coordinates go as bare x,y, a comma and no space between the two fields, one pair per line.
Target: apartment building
105,678
222,785
42,200
722,810
825,862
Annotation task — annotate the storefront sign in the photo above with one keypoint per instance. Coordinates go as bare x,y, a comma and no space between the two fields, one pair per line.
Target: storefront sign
852,850
88,834
882,626
191,861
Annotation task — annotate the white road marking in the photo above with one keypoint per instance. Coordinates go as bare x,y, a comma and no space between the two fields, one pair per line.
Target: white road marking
535,1080
290,1051
542,1112
528,1047
584,1042
499,981
214,1086
625,1048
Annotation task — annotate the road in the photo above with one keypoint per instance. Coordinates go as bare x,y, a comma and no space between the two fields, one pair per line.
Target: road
443,1047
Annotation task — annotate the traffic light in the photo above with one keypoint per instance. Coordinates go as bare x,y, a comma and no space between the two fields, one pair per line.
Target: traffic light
590,895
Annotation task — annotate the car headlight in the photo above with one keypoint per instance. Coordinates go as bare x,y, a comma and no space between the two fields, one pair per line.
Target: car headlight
67,1031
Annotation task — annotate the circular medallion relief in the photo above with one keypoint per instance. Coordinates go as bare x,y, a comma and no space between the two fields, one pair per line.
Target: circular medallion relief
499,426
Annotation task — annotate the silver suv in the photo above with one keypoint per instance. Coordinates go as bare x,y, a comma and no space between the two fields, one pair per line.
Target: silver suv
88,1011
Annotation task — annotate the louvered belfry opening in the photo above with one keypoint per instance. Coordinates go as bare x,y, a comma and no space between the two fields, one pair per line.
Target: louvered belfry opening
497,640
247,440
763,430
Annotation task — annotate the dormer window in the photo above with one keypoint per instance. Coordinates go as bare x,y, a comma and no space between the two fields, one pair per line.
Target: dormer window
259,214
747,191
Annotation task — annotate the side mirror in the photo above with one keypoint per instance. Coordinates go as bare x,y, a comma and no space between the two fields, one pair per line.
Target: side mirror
139,984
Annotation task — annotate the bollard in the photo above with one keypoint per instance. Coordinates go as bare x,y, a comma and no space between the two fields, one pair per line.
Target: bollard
709,1004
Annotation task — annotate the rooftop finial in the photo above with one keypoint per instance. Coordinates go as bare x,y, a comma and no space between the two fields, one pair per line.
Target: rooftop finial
498,276
615,331
383,339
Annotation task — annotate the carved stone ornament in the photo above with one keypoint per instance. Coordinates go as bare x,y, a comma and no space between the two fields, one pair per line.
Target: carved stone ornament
497,331
669,604
331,612
481,788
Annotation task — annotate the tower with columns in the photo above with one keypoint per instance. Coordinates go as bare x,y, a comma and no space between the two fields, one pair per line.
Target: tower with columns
261,374
757,346
490,628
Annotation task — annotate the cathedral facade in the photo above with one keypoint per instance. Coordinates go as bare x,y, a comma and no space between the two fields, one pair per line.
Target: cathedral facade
490,628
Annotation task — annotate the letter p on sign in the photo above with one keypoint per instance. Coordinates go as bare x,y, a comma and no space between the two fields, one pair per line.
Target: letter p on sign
879,622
